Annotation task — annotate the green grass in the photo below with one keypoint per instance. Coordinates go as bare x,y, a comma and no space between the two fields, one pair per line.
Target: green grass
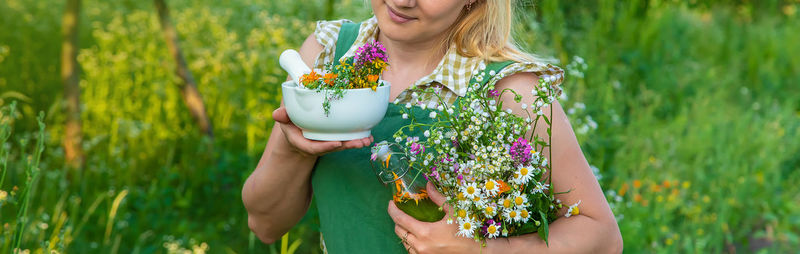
691,113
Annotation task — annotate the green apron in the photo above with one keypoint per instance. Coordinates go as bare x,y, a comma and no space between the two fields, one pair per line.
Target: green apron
351,201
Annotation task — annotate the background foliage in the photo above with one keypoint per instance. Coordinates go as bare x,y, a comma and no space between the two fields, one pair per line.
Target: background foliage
688,110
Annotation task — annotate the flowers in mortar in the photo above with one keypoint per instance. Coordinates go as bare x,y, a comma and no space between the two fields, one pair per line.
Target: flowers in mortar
360,71
486,160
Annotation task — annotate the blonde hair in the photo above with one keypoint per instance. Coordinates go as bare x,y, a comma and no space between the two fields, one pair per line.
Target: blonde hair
484,30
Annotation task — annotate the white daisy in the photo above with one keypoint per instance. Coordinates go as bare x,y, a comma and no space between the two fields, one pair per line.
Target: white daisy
520,200
491,187
466,227
479,201
471,190
524,215
573,210
492,231
462,214
506,202
523,174
511,216
490,210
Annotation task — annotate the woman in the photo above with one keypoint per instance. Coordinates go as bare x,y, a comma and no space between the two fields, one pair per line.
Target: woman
438,43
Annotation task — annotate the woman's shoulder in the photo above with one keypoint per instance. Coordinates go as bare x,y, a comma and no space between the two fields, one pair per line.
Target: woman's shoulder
327,31
523,73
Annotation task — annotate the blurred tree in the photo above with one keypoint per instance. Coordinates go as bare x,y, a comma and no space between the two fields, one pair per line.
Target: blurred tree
72,90
329,9
191,96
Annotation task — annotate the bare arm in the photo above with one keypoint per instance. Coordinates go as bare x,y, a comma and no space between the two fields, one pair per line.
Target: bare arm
278,192
595,228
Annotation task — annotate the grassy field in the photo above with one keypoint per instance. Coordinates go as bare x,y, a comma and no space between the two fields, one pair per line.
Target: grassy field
690,113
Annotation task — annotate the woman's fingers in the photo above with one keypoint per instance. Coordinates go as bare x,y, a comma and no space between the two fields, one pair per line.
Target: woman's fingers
437,198
280,115
406,237
294,136
403,220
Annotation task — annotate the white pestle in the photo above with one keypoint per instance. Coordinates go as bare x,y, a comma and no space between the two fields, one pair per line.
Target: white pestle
291,62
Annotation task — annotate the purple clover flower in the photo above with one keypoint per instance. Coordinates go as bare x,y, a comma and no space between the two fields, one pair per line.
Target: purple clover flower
369,52
493,93
521,152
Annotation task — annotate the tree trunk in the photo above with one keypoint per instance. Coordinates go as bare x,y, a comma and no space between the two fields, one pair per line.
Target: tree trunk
191,96
72,91
329,9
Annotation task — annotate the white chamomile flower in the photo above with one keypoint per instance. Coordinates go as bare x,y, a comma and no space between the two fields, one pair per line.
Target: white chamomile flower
511,216
491,187
506,202
479,201
520,200
405,116
490,210
492,231
432,115
523,174
573,210
524,215
466,228
471,190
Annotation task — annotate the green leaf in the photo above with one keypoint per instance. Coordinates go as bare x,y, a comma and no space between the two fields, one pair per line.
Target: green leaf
543,230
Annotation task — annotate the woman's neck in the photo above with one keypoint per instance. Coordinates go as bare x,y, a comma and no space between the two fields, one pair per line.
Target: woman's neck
412,60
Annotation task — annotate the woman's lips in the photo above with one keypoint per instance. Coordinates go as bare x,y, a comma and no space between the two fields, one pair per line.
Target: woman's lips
397,17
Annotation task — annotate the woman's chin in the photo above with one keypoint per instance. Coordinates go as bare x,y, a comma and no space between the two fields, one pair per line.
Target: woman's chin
397,32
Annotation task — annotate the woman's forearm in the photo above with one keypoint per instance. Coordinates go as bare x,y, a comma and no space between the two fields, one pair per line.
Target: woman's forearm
278,192
577,234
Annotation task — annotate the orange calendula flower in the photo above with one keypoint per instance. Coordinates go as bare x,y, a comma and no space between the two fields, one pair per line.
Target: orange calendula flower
503,187
309,78
330,78
637,183
372,78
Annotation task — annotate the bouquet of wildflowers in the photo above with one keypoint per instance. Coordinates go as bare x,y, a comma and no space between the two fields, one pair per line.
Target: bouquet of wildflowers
360,71
487,161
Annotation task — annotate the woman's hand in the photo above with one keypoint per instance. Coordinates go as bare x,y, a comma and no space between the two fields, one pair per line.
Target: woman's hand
431,237
307,147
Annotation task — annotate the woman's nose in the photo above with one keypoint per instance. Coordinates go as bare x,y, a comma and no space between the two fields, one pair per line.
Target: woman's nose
405,3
